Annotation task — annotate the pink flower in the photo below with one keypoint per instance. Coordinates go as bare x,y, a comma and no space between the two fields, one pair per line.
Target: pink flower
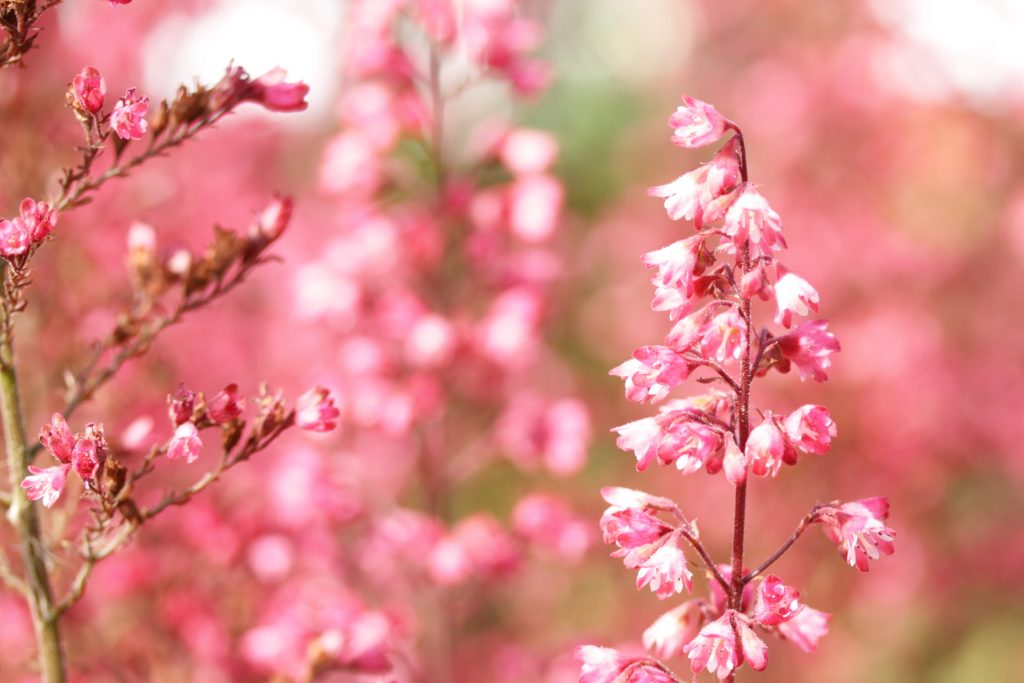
767,448
793,294
805,628
666,570
643,437
715,647
622,497
723,337
652,372
37,218
859,529
89,87
630,528
674,629
682,195
90,452
185,443
676,264
811,429
776,602
275,94
273,220
808,347
45,484
688,443
734,464
56,437
128,118
696,124
755,283
315,411
226,406
751,218
15,239
181,404
605,665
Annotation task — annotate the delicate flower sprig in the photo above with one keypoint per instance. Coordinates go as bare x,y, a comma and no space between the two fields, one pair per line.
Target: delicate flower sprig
711,303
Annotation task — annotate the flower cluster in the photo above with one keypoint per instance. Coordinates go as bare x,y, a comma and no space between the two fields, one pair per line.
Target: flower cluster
707,283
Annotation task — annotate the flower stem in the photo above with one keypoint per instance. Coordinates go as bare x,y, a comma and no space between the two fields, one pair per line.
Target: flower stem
23,516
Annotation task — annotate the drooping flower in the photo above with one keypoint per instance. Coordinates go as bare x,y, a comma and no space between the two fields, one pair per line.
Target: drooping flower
805,628
696,124
811,429
45,484
89,88
682,195
677,264
687,443
652,372
776,602
767,448
605,665
723,338
715,647
57,438
750,217
859,529
808,347
630,528
185,443
128,118
734,463
667,636
793,295
271,223
666,570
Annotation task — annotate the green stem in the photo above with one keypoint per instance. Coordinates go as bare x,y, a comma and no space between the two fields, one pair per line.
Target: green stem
23,515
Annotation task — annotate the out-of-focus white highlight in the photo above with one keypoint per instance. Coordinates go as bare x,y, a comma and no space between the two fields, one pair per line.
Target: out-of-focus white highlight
949,48
300,35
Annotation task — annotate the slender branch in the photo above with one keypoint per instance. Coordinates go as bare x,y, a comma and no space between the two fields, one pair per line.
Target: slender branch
805,523
712,567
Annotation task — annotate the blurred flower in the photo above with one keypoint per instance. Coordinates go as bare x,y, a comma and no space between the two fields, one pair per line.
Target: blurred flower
128,118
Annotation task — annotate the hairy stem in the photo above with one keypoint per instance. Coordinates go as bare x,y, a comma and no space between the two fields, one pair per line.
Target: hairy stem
23,516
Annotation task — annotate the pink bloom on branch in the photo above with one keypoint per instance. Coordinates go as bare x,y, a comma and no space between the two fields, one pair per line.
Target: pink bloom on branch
696,124
226,406
315,411
667,636
805,628
682,195
38,218
15,239
811,429
45,484
185,443
89,89
689,444
273,220
808,347
793,294
735,463
181,404
57,438
275,94
652,372
859,529
751,218
776,602
128,118
90,452
630,528
678,263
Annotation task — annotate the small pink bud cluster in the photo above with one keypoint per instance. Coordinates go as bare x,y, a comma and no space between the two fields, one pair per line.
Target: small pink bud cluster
85,453
714,334
34,224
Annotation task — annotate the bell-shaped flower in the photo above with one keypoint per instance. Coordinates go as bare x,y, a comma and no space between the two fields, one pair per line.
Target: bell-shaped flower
811,429
696,124
667,636
776,602
45,484
652,372
793,295
859,529
809,347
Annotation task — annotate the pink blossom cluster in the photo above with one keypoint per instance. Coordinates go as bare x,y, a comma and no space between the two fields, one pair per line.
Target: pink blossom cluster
34,224
707,284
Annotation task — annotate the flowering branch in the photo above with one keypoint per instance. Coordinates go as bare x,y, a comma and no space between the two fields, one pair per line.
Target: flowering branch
720,634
